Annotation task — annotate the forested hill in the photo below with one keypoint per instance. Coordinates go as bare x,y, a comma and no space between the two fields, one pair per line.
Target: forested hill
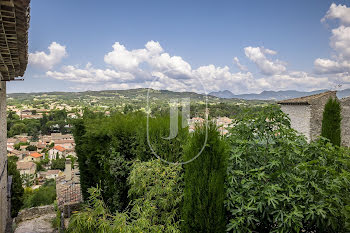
116,97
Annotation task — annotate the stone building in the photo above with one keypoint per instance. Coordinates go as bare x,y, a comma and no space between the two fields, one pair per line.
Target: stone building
14,23
306,112
345,122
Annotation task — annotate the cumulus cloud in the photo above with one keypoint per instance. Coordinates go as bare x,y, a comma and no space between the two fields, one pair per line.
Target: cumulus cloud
266,66
151,66
339,42
88,74
341,12
47,61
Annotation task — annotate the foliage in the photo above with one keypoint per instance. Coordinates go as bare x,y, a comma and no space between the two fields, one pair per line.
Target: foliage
16,187
106,146
203,209
31,148
45,195
28,179
157,190
277,182
58,164
331,121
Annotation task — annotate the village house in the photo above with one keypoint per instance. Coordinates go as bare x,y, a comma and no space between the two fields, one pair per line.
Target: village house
26,168
67,143
12,141
57,151
33,157
50,174
306,114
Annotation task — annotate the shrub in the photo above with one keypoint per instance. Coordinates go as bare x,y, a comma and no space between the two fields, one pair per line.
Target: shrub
203,209
331,121
45,195
156,189
277,182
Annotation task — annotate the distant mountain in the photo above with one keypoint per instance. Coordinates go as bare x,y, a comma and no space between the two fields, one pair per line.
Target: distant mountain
275,95
223,94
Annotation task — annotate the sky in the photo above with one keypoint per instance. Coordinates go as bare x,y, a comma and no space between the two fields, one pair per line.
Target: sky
202,46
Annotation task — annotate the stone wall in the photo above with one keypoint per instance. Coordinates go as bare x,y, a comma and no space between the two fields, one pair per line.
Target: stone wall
345,122
3,159
317,108
299,117
34,212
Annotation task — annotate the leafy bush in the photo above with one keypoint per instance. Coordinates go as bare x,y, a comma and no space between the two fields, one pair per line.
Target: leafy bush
45,195
277,182
156,189
331,121
203,209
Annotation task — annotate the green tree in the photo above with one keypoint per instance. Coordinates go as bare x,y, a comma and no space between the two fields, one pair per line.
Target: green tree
16,187
204,194
331,122
28,179
58,164
45,195
277,182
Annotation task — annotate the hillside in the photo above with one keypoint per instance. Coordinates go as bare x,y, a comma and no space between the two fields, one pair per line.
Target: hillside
114,98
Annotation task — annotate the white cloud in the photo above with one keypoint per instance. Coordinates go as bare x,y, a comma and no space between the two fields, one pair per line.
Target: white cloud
47,61
90,75
266,66
139,67
341,12
339,42
327,66
239,65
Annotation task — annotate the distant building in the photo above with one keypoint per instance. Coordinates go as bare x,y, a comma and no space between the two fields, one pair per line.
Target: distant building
26,168
33,157
57,151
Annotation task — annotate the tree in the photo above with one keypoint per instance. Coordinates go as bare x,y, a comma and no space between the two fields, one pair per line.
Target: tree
28,179
277,182
204,194
16,187
331,122
31,148
58,164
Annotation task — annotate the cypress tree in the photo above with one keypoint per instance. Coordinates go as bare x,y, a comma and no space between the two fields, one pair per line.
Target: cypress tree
204,192
331,121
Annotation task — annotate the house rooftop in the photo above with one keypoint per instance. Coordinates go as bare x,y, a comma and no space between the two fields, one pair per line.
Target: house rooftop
305,100
36,155
60,148
25,165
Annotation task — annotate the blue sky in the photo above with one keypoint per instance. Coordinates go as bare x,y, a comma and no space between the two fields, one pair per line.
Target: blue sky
242,46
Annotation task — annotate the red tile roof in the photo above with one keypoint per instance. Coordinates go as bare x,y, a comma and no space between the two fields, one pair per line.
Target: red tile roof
60,148
36,155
